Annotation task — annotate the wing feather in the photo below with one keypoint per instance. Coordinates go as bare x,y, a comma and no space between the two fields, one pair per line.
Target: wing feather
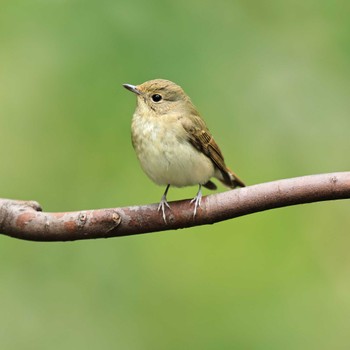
200,137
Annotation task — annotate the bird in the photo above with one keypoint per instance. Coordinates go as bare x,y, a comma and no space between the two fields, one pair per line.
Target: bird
173,143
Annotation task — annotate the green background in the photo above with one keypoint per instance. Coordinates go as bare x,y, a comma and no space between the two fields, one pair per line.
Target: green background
272,80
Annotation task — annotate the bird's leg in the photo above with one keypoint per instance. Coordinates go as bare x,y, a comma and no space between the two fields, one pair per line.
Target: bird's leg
163,203
197,200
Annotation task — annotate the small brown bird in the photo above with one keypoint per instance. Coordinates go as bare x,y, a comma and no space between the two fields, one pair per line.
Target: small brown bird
173,143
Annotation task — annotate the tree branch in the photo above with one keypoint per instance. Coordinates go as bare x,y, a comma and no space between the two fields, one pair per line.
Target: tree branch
25,220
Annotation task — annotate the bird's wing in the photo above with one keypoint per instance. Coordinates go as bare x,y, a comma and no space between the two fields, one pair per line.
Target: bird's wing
199,136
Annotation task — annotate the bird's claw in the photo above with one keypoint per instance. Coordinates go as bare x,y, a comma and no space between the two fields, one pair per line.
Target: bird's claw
162,204
197,201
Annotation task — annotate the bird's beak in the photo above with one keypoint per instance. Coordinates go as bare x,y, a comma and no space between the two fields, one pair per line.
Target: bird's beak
132,88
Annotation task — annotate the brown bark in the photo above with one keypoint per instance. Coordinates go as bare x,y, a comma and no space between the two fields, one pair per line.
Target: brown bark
25,220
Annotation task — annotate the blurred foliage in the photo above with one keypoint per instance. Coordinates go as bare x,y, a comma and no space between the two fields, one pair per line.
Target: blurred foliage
272,80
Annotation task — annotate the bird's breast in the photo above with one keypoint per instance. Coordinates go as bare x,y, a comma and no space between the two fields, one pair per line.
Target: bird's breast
165,154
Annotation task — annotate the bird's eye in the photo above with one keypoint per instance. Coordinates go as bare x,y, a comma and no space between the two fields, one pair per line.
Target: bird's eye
156,98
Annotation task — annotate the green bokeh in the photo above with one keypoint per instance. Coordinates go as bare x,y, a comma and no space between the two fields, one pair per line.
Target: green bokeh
271,78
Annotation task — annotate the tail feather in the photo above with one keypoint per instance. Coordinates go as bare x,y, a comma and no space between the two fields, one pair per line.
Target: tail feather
230,179
210,185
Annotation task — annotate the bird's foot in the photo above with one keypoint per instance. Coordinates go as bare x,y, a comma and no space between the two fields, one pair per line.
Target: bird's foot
197,200
162,204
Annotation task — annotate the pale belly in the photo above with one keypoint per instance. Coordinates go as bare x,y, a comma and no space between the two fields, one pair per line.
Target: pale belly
168,159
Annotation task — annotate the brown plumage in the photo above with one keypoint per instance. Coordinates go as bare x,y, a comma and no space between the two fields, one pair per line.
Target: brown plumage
200,137
173,143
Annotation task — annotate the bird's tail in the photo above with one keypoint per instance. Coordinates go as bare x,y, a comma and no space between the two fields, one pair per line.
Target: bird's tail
230,179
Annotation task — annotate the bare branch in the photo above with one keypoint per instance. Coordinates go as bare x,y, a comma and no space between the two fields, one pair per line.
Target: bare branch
25,220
